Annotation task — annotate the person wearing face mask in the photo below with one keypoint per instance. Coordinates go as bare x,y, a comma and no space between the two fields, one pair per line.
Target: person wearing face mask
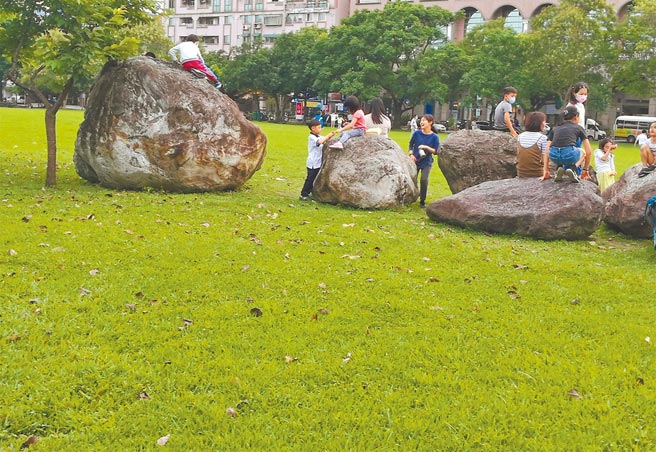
578,95
502,119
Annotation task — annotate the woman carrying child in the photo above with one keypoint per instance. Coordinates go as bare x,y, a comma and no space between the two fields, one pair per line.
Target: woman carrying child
563,150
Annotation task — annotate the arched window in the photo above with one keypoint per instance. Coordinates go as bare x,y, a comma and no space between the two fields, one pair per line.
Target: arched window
474,19
514,21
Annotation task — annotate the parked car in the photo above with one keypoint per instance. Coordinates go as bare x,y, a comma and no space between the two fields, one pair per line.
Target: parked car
439,128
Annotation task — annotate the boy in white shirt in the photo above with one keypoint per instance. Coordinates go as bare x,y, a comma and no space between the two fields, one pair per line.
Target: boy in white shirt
192,60
315,155
642,139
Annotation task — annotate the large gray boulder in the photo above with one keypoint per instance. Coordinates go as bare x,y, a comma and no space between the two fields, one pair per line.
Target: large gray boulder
527,207
371,172
469,157
625,202
148,123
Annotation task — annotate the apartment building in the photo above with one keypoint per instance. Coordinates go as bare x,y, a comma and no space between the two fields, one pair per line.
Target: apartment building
223,24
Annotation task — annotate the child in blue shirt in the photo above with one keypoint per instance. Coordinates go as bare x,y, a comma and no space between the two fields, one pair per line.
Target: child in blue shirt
424,143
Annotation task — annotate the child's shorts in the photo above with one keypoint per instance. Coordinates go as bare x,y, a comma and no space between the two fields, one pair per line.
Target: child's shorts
567,155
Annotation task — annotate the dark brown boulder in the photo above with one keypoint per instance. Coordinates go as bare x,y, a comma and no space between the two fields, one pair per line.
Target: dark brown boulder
148,123
371,172
469,157
625,203
528,207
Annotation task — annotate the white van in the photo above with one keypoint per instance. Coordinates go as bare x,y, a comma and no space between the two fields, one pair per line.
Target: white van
594,131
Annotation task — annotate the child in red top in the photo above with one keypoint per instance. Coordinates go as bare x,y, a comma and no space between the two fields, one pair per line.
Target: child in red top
356,127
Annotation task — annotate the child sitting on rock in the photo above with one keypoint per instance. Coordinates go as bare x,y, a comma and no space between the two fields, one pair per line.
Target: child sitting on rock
563,149
605,163
356,127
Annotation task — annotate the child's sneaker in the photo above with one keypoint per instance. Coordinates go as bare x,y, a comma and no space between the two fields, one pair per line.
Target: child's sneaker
572,176
218,85
304,198
559,174
337,145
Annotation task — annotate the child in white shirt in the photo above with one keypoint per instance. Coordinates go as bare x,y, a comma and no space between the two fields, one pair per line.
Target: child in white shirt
605,163
188,54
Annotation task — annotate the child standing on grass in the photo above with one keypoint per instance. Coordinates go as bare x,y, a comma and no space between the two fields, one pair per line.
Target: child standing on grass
424,143
192,60
563,149
356,127
315,154
605,163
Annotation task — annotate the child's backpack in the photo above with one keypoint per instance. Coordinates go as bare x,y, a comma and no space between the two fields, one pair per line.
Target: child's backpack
650,215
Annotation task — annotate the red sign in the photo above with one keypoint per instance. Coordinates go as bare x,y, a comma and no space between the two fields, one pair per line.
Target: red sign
299,108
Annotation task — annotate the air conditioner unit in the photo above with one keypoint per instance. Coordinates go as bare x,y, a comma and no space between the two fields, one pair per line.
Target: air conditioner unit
258,26
246,28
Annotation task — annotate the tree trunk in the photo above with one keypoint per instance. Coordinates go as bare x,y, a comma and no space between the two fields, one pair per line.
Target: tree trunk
397,111
51,137
51,130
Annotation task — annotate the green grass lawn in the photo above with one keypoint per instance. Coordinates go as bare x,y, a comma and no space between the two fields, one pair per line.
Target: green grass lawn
127,316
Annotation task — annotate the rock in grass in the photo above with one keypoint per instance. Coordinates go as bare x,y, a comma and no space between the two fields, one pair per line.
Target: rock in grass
148,123
625,202
371,172
528,207
470,157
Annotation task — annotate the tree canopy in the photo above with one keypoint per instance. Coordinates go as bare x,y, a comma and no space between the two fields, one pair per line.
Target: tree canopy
379,51
636,69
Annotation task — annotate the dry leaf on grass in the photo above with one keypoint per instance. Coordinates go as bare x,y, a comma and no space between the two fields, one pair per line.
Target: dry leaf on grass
30,441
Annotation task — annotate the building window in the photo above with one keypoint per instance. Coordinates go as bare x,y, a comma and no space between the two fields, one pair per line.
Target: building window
247,19
188,3
171,4
216,6
227,20
474,20
187,22
295,18
368,2
211,39
226,40
204,3
323,17
248,5
172,21
207,21
259,5
273,20
227,5
514,21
